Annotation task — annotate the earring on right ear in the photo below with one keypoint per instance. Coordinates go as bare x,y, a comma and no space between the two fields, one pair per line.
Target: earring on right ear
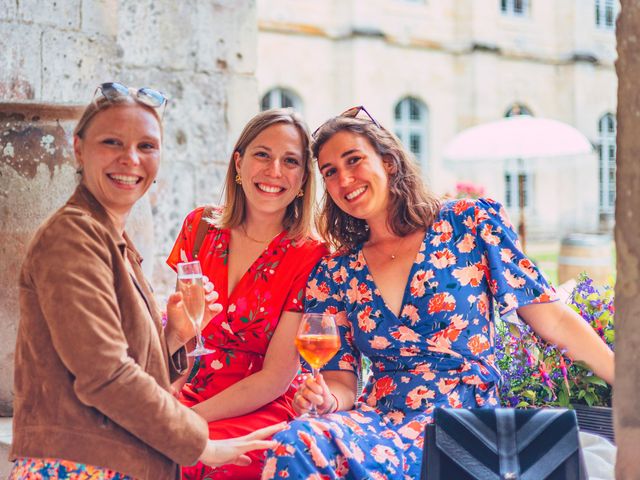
238,179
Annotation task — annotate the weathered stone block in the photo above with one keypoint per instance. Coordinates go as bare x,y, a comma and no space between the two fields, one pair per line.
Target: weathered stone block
20,61
8,9
242,95
99,16
64,14
77,62
166,39
232,45
171,198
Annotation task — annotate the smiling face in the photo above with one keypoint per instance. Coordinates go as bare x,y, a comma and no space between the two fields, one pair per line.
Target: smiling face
272,170
356,177
119,153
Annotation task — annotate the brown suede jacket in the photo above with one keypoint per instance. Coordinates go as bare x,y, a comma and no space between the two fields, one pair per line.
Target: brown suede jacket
92,371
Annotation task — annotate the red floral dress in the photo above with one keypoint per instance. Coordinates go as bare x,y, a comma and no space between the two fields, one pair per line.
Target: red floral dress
240,334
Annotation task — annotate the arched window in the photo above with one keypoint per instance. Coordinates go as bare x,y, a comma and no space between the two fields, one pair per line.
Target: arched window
518,179
518,109
606,13
607,163
280,98
411,127
518,8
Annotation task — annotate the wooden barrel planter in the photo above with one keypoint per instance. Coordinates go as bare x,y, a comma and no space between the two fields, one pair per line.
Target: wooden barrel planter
582,252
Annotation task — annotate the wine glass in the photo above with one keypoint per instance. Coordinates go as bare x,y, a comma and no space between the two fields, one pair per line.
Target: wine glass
317,341
190,283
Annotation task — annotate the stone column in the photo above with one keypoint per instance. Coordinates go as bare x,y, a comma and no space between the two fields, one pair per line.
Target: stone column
627,234
38,174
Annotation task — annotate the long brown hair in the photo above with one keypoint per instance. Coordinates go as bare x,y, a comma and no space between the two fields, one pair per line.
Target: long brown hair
297,218
411,205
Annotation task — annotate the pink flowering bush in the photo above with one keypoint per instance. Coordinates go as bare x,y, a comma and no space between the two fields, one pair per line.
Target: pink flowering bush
468,190
536,373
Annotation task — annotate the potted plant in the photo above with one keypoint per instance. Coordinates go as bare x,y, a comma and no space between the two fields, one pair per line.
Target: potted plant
537,374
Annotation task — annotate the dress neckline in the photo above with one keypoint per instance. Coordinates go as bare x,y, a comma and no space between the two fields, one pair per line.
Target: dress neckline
233,293
363,260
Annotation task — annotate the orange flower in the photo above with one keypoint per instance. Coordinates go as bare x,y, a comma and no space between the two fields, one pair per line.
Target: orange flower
365,322
470,275
442,258
467,244
488,235
383,387
317,291
442,302
462,205
478,343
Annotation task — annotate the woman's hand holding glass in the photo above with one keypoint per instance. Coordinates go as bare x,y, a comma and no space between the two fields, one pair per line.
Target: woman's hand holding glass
314,396
180,328
317,341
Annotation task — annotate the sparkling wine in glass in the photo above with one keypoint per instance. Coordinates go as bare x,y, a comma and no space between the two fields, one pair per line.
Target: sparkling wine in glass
190,283
317,341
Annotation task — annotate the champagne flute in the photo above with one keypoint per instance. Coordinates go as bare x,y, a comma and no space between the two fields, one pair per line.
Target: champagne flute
190,284
317,341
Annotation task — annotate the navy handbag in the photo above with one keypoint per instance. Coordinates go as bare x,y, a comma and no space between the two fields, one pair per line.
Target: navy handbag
502,444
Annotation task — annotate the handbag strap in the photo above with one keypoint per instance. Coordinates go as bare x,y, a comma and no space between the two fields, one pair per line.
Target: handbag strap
203,227
507,448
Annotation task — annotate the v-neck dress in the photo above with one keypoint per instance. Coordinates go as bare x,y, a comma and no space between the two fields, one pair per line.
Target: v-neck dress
439,352
240,334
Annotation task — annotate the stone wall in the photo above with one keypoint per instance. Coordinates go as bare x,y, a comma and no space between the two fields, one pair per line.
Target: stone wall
201,53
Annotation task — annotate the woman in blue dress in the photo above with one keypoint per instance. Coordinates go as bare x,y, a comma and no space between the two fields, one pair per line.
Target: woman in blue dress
413,286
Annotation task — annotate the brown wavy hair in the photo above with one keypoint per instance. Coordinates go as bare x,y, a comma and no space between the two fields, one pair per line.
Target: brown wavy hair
298,216
411,205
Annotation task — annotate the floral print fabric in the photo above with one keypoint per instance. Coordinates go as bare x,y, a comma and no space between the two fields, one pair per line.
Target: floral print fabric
54,469
437,353
240,334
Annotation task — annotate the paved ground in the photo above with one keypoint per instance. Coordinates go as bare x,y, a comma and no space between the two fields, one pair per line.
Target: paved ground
5,441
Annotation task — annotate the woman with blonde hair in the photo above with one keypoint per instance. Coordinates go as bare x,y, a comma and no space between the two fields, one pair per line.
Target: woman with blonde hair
93,363
258,252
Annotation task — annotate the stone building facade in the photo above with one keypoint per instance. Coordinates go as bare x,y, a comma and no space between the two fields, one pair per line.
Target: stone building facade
202,54
430,69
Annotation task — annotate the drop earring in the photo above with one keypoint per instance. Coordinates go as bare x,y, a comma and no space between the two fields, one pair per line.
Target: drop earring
238,179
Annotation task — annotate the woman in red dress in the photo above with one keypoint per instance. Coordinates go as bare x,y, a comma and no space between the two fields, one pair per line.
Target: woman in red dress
258,253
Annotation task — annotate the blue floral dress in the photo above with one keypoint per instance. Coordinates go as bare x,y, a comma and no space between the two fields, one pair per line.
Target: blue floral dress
437,353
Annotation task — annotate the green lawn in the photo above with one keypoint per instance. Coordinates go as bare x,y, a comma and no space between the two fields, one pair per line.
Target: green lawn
545,256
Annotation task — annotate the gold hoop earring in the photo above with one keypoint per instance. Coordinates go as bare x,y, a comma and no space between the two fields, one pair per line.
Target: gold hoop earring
300,194
238,179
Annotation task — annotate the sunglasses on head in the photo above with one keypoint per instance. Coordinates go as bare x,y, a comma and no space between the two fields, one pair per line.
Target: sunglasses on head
146,96
353,112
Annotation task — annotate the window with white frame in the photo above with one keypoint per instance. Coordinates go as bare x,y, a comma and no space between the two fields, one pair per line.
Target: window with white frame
411,126
518,185
518,8
280,98
517,178
607,163
606,13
